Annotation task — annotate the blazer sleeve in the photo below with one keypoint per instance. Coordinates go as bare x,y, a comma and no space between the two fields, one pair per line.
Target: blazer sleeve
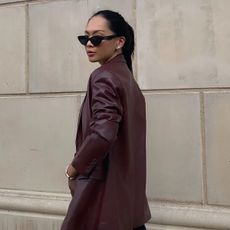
106,115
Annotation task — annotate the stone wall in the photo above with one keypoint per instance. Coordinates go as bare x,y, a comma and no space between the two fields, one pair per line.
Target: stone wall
182,65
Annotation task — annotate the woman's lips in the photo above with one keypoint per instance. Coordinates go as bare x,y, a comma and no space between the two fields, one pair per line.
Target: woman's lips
90,53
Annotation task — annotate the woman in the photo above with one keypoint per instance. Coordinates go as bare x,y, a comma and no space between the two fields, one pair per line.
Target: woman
107,176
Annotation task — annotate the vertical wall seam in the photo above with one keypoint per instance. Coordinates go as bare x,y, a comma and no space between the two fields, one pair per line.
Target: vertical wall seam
203,140
27,50
135,51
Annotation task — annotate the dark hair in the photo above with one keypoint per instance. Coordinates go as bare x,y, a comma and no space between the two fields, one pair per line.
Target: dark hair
121,28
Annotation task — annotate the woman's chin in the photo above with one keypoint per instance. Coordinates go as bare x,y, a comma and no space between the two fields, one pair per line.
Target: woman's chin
92,59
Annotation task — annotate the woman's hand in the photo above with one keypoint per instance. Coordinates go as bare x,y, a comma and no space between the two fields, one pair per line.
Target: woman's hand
71,171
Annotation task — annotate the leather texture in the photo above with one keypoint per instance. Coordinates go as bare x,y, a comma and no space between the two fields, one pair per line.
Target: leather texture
109,191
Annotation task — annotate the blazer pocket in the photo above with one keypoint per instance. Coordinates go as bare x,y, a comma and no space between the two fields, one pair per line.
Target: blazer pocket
99,172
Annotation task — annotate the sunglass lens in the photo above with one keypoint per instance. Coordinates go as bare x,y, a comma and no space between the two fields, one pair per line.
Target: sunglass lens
96,40
83,39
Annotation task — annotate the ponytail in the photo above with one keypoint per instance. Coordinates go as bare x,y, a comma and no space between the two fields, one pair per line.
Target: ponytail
121,28
128,48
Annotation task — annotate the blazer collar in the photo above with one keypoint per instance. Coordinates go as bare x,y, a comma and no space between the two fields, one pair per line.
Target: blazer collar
117,59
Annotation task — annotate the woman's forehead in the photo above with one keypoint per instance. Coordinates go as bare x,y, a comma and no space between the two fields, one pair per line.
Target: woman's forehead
97,24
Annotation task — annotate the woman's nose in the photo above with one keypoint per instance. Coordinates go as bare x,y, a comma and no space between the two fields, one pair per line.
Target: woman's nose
89,44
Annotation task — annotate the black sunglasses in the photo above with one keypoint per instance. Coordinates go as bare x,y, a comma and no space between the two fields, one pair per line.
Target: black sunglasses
95,40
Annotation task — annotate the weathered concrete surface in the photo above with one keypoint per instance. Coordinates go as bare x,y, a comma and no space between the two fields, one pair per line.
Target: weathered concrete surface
12,49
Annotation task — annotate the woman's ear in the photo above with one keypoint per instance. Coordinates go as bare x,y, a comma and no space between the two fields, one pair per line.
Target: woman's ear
120,42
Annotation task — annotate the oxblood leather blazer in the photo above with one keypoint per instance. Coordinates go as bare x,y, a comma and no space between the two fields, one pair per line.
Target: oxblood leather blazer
109,192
